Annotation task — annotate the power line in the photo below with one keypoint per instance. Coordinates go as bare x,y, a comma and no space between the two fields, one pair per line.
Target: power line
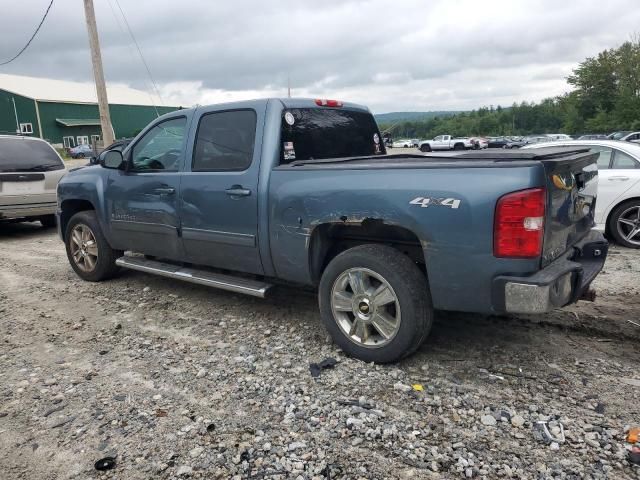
32,36
139,51
130,50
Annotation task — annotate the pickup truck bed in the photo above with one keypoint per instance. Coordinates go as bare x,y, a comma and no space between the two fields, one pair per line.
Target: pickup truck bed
384,238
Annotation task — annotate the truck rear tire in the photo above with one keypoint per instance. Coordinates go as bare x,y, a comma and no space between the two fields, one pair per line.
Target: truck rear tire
88,251
375,303
458,146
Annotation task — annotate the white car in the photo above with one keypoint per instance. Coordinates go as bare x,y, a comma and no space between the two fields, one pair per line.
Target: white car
618,203
404,143
632,137
30,170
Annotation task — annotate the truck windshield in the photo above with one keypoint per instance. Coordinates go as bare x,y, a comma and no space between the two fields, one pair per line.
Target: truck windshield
321,133
23,155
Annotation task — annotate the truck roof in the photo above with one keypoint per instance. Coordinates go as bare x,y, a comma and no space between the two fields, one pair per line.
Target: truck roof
294,102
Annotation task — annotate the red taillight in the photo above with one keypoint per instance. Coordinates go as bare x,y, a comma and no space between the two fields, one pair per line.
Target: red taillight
519,224
321,102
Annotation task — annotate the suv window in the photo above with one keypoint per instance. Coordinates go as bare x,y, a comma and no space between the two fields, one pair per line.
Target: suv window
21,155
160,148
225,141
319,133
623,161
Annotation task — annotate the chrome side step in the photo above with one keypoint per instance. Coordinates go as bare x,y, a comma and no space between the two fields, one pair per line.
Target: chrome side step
194,275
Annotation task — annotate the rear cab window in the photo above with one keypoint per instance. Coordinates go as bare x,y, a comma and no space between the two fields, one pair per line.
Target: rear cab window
22,155
225,141
325,133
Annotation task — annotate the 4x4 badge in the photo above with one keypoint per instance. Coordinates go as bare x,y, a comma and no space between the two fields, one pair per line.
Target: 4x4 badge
425,202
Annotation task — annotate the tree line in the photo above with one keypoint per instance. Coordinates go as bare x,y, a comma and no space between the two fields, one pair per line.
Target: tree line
605,97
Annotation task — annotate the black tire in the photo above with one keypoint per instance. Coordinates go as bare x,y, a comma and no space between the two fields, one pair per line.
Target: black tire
48,221
105,266
410,287
80,155
458,146
613,226
425,148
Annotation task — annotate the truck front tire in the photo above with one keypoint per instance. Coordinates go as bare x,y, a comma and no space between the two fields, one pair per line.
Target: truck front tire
425,148
375,303
88,251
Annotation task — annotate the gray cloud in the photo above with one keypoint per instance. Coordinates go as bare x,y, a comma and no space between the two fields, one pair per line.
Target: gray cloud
409,55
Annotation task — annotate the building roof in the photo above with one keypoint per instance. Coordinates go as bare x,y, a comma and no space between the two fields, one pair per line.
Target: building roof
78,122
46,89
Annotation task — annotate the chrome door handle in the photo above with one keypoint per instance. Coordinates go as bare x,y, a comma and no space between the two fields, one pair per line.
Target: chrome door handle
164,190
238,191
619,179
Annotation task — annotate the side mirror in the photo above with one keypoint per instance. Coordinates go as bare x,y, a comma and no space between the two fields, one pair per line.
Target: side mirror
112,159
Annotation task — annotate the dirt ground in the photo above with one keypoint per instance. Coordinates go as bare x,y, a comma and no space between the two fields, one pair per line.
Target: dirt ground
179,381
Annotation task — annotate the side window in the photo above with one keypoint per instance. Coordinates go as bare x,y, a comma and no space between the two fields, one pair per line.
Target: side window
160,148
438,138
623,161
225,141
604,160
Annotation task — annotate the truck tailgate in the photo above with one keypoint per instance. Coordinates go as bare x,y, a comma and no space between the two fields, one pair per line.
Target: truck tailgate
571,183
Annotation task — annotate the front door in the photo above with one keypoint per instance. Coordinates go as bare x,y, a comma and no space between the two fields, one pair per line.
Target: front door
142,201
220,194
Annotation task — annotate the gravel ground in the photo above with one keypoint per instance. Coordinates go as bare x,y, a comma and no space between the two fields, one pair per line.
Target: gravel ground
180,381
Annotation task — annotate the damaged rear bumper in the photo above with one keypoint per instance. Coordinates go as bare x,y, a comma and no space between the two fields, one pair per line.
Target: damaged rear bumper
560,283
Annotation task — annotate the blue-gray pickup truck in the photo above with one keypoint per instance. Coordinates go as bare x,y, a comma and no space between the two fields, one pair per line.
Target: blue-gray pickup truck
243,196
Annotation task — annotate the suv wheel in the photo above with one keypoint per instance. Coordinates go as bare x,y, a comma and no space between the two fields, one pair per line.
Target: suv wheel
48,221
375,303
89,254
624,224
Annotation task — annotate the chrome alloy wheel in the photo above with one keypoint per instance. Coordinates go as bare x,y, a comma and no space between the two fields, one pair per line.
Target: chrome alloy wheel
629,225
365,307
84,248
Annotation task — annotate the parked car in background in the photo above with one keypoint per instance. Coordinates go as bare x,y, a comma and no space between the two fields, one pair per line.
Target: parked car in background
593,136
404,143
479,143
618,206
415,142
445,142
557,136
119,145
497,142
618,135
528,141
298,191
81,151
632,137
30,170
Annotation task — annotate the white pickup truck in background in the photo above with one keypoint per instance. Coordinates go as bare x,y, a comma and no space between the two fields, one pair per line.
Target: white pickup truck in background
445,142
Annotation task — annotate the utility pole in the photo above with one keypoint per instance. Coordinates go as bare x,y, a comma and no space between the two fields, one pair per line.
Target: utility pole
98,74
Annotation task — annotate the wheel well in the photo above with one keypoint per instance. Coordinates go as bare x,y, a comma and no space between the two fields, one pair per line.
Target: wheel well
606,224
331,239
69,208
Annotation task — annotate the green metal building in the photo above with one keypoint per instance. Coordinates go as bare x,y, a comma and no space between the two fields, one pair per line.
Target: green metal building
66,113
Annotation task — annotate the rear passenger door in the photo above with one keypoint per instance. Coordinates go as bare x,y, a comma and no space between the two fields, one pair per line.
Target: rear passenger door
623,173
219,192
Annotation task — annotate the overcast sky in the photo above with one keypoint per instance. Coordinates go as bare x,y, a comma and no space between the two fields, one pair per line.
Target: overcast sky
390,55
